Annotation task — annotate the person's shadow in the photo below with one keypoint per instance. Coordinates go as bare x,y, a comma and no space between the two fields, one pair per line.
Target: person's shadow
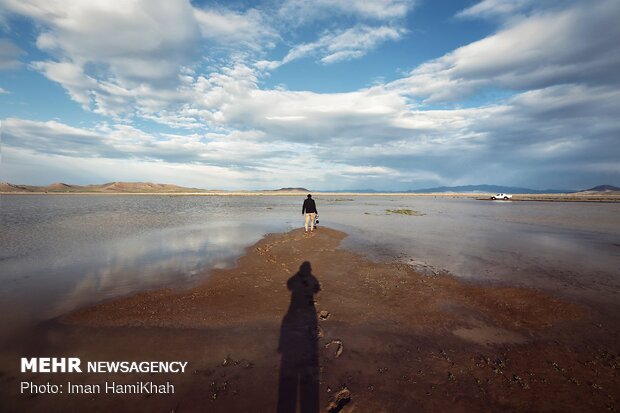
298,345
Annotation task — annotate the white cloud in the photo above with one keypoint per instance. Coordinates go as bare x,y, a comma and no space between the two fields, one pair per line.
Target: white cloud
334,47
107,52
71,76
571,46
303,116
54,138
229,28
126,141
492,8
124,39
357,41
575,120
130,59
337,45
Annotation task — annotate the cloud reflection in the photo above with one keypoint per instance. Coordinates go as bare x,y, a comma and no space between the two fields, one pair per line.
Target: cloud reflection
172,257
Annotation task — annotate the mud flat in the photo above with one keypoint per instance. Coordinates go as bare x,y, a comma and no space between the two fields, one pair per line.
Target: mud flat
340,332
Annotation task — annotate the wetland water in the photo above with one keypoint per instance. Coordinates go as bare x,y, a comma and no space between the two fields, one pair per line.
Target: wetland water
61,252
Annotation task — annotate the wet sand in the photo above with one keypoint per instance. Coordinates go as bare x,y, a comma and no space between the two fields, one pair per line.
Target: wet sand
377,337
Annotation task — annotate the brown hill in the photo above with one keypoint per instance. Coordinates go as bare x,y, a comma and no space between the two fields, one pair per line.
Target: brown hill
141,187
60,187
110,187
7,187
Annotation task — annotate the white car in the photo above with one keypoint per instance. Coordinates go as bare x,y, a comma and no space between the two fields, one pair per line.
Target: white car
501,196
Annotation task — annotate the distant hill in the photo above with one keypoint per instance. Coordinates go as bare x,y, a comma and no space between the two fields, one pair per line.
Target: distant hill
60,187
604,188
121,187
489,189
462,189
140,187
288,190
601,189
110,187
6,187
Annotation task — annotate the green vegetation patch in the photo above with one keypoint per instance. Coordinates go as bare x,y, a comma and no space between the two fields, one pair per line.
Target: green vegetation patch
339,199
409,212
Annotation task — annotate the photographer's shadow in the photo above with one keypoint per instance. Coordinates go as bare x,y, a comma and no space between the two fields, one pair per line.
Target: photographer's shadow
298,345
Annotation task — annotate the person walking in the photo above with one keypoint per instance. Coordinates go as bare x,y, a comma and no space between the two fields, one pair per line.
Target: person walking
309,209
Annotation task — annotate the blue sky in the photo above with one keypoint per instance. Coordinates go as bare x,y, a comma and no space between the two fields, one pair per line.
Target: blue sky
329,94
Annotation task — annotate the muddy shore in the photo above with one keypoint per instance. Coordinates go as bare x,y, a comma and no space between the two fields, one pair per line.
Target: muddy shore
341,332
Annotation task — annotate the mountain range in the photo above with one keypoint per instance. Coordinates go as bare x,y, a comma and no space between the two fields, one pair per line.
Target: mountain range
484,188
148,187
491,189
110,187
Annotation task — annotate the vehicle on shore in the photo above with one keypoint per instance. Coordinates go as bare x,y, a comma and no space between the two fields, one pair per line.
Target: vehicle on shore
501,196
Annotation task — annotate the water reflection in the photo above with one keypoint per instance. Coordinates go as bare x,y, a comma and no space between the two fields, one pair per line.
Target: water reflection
174,257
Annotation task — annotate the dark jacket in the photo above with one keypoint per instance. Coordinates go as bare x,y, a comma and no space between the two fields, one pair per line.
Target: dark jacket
309,206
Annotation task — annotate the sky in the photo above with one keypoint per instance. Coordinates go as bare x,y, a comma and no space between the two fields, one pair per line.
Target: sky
324,94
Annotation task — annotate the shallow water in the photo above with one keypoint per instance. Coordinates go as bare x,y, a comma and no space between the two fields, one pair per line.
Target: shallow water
61,252
495,240
566,249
